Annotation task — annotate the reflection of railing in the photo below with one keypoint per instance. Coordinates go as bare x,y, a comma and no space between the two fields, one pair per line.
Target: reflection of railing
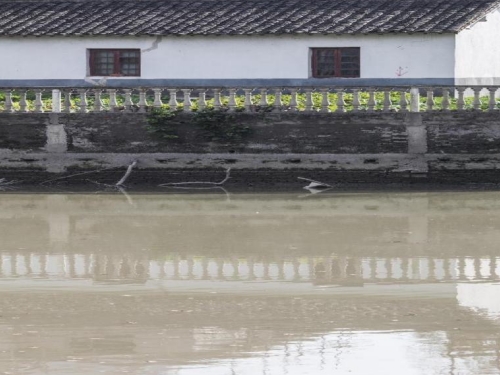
323,270
250,99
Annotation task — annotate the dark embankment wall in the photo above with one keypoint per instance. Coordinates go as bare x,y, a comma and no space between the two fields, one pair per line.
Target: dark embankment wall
288,133
380,144
463,133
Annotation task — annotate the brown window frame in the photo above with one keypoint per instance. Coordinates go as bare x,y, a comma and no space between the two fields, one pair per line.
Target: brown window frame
116,62
337,52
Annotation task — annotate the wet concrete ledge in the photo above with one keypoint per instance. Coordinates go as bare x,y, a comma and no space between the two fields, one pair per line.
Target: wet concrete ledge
255,172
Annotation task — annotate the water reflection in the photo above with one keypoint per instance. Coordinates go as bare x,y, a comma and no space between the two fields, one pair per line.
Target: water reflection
364,283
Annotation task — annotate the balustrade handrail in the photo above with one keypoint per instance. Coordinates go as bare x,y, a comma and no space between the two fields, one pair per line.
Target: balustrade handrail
251,99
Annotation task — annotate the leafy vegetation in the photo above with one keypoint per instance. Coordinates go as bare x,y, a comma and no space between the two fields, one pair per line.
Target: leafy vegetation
160,125
220,126
217,125
395,99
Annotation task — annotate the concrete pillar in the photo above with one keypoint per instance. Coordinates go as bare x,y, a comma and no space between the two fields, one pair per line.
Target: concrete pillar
56,101
414,99
417,134
59,229
57,140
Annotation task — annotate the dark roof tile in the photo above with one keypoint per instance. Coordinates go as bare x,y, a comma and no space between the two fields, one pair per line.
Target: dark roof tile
239,17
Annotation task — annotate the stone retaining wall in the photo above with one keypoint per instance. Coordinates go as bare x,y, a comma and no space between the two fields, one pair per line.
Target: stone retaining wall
378,143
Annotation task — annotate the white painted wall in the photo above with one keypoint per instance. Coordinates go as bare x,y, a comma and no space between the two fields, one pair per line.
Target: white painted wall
478,52
238,57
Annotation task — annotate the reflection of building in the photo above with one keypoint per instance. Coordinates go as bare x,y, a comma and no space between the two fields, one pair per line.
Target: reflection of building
335,269
94,330
98,283
339,270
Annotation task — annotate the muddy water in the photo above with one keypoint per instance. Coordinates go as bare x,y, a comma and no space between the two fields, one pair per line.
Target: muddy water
215,284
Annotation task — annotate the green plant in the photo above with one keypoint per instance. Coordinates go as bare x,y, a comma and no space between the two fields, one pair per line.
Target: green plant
220,125
160,124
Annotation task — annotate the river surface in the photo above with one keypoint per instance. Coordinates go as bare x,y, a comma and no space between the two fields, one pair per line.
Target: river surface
331,283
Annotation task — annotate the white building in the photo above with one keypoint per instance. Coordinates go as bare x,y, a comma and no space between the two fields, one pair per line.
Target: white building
249,42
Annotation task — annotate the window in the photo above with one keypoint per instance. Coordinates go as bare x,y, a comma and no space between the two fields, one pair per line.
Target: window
335,62
115,62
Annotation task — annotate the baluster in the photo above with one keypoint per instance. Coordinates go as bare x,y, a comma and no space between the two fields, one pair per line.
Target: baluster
460,100
217,99
325,100
83,100
67,100
387,100
403,102
113,103
356,103
446,100
430,100
23,102
477,98
263,98
187,100
309,100
38,101
9,108
143,102
128,103
157,103
293,100
232,100
202,99
340,100
248,100
98,106
371,100
278,102
492,103
172,103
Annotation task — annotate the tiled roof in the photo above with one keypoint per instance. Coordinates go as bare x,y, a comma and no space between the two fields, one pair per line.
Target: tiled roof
239,17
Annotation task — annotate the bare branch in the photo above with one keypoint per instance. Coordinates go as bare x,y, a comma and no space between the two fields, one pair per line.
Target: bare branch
127,174
170,184
313,184
76,174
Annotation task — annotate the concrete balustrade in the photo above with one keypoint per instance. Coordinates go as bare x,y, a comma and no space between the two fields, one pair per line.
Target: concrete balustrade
273,99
